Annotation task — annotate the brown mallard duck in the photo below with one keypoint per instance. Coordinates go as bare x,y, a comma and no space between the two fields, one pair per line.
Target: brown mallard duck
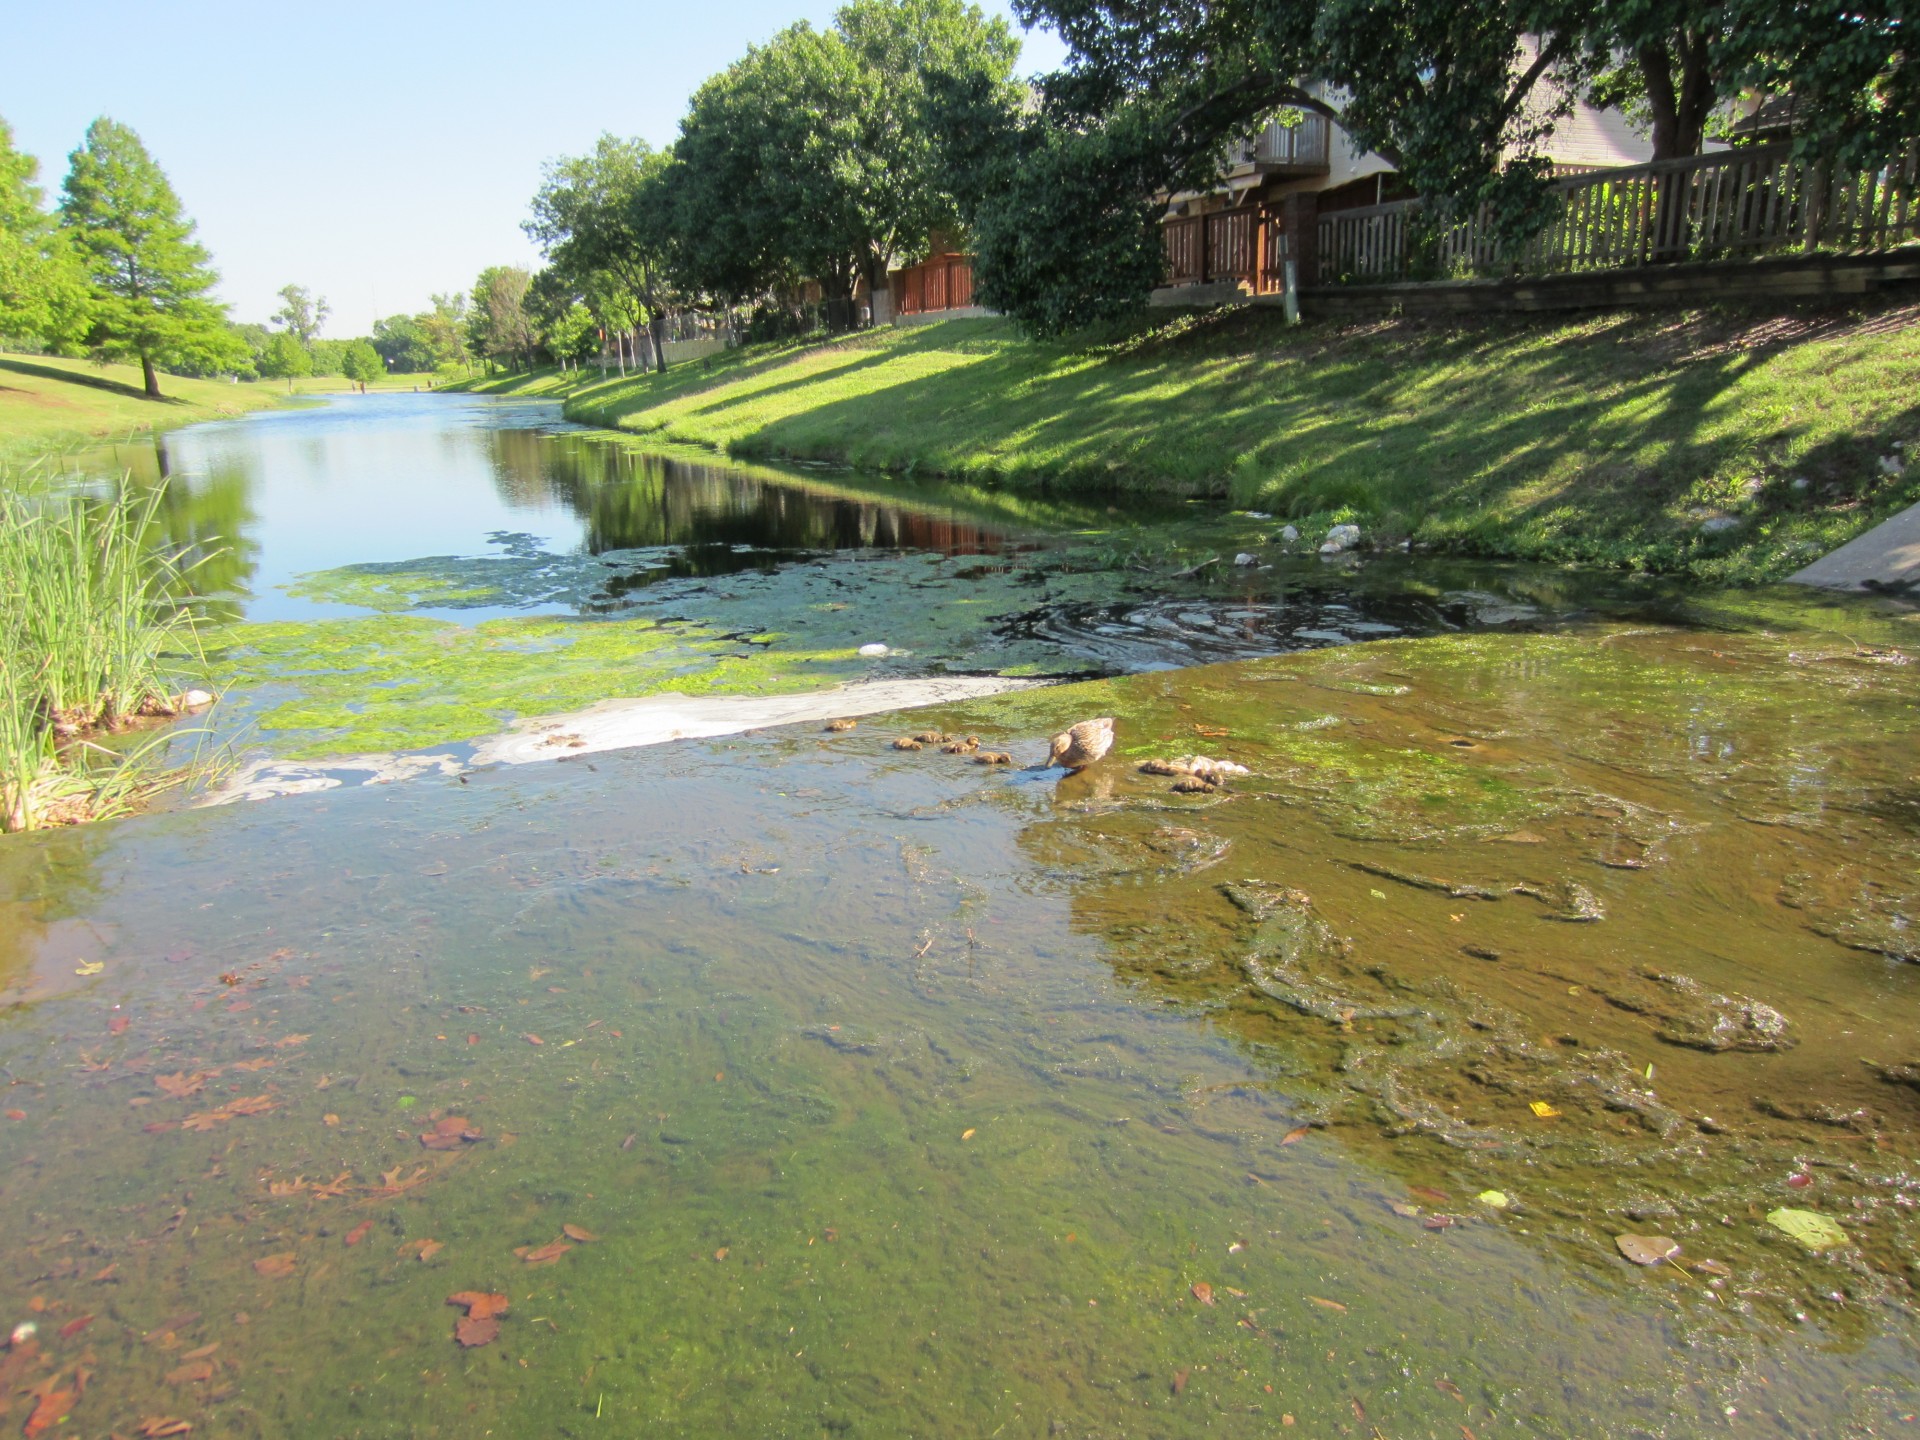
1080,746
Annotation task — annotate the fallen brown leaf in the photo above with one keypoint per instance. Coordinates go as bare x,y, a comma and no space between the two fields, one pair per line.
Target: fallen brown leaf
533,1039
545,1254
329,1119
359,1232
275,1267
1447,1387
74,1326
191,1373
163,1427
479,1304
1203,1292
179,1084
472,1333
574,1232
262,1063
1296,1135
427,1249
721,1253
1180,1381
1328,1304
285,1040
51,1407
118,1025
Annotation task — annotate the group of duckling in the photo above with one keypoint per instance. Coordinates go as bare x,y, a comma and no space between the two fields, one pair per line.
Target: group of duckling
1074,749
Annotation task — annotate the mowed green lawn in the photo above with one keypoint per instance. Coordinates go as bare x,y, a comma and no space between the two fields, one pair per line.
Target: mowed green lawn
51,403
1617,438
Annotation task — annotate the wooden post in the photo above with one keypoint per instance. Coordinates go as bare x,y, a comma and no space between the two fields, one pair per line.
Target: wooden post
1300,218
1290,291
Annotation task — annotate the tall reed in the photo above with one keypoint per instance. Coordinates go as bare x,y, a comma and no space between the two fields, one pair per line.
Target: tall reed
91,633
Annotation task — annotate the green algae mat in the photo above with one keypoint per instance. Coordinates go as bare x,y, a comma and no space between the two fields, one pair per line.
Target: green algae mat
795,1085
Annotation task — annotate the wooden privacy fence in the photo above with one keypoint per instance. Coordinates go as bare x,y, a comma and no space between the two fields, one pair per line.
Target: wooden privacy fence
1244,245
943,283
1730,203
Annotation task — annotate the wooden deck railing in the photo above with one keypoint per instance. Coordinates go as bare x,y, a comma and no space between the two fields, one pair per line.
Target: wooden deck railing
1300,146
1730,203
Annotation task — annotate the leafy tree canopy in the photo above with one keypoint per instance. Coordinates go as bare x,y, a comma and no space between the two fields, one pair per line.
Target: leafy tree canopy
361,363
601,219
817,155
498,326
43,293
284,357
149,276
302,313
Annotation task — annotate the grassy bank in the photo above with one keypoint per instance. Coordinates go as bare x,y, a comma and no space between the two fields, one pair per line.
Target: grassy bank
48,403
1614,439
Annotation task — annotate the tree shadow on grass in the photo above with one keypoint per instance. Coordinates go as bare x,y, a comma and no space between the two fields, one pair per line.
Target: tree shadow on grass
95,382
1562,434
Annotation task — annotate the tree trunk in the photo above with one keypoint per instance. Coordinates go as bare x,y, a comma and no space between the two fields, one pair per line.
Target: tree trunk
657,332
151,380
1679,114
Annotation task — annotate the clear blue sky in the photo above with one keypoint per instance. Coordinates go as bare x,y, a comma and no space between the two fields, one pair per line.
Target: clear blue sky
373,153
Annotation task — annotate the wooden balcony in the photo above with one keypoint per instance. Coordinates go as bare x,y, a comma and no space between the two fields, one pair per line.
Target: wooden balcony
1284,151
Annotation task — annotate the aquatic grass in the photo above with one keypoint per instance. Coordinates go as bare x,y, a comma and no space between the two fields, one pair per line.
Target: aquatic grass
93,637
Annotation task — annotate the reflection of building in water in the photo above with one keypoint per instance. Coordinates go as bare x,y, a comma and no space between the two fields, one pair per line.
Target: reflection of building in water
722,519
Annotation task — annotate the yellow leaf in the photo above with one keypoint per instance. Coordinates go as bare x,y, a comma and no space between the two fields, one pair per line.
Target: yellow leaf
966,1134
1543,1110
89,967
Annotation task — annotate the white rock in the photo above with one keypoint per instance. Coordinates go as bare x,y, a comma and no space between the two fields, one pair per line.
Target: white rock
1892,465
1341,537
1243,558
1799,482
1754,486
873,652
196,700
1259,514
1717,524
1289,533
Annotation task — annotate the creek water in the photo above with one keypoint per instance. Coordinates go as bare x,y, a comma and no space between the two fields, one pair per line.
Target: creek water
890,1094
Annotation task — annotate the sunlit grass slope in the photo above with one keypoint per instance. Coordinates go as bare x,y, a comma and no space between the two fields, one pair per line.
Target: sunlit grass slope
1614,438
50,403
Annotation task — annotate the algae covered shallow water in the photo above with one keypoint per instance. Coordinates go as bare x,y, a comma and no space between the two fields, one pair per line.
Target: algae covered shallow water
419,572
904,1096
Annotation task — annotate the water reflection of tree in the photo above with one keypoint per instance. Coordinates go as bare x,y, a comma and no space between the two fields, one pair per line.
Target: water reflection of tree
207,519
631,500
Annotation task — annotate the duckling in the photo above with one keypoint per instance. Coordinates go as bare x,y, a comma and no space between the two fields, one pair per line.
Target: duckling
907,742
839,727
1081,745
1163,767
964,746
932,737
1194,785
993,757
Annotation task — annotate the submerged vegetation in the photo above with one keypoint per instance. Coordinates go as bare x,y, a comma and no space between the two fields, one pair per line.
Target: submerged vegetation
1717,446
91,642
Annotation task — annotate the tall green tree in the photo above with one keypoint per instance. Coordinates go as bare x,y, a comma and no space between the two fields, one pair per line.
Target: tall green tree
816,156
43,293
362,363
498,326
601,220
149,277
303,313
285,358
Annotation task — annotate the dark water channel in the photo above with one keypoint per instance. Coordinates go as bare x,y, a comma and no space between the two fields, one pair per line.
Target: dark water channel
887,1094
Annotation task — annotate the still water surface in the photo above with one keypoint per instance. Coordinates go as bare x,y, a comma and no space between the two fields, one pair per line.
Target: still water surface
892,1095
